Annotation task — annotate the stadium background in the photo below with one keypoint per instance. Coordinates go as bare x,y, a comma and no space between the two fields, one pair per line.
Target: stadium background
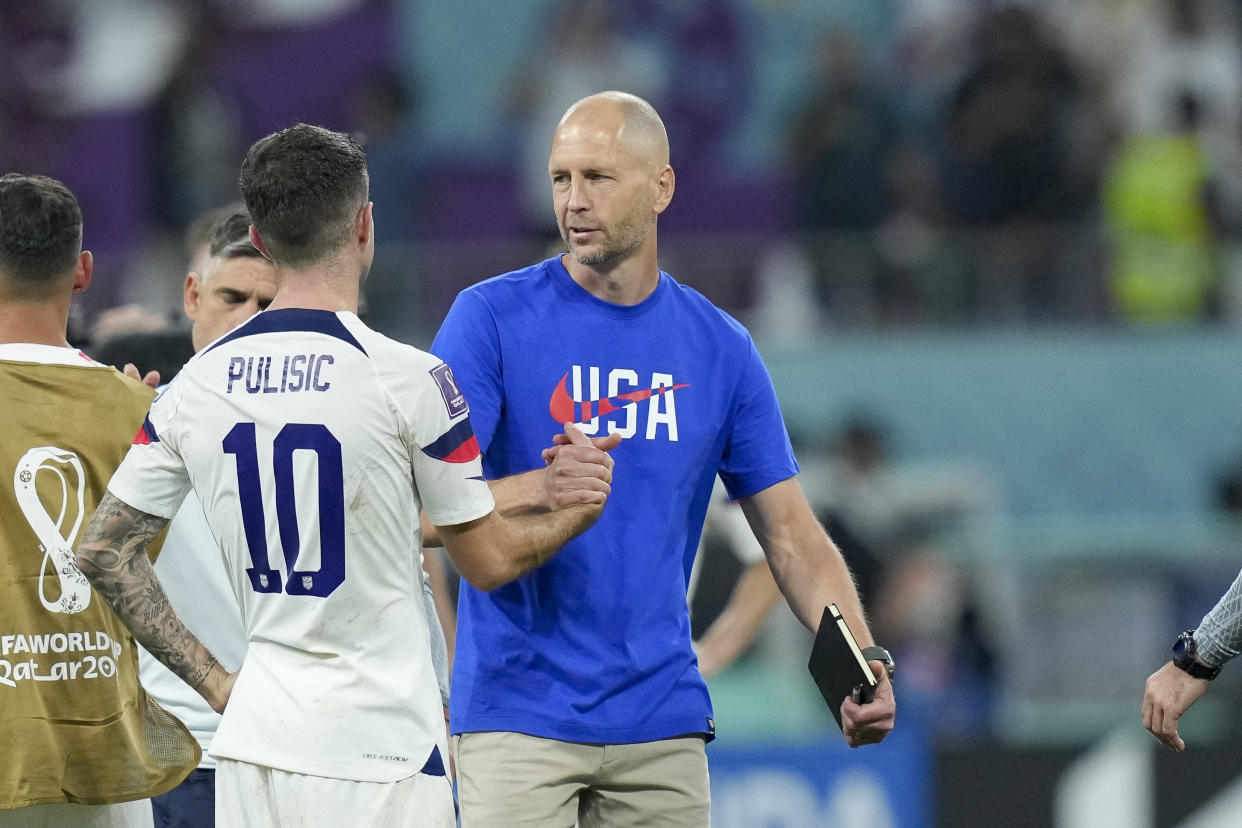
990,252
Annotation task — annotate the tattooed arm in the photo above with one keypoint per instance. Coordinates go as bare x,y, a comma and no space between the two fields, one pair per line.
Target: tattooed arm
113,556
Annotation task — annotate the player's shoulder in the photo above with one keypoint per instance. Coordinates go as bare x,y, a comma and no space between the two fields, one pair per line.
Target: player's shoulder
108,386
381,348
396,364
113,390
390,355
498,291
693,303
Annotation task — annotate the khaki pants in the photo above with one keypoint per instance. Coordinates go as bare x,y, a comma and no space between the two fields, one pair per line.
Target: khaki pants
509,780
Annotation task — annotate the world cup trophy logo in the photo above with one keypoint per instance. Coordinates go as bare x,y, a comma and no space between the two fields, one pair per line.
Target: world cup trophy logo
49,515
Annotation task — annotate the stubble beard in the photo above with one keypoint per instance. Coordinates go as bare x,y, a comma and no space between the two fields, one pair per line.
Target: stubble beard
629,236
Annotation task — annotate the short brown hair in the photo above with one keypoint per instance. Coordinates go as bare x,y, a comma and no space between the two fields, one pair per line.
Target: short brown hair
40,231
303,187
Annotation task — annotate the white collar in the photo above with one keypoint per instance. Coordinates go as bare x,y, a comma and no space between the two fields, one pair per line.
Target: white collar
45,354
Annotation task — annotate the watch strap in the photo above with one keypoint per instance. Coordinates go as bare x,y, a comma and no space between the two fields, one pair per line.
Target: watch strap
1200,671
875,653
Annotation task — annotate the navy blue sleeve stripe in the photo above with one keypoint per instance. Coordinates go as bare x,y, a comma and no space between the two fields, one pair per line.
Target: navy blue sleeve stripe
455,445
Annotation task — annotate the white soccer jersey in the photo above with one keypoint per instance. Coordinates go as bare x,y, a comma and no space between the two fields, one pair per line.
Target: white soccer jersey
312,442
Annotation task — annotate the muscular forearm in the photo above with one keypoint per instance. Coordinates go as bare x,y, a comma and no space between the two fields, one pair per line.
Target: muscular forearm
113,557
812,580
534,538
806,564
521,493
494,550
517,494
1219,636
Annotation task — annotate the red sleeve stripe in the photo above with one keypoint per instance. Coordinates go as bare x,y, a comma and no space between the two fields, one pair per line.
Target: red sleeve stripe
146,434
457,445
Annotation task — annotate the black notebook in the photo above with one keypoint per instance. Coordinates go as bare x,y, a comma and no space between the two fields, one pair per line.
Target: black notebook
837,663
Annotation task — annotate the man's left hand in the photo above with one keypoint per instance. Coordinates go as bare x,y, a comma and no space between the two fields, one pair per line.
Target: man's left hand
152,379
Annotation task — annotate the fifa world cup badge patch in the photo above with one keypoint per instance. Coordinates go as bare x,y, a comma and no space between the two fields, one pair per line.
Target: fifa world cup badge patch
454,400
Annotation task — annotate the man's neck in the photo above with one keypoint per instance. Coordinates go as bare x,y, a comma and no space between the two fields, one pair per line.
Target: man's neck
624,282
316,288
37,323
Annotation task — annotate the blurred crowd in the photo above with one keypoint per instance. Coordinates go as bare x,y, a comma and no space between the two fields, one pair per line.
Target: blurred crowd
929,163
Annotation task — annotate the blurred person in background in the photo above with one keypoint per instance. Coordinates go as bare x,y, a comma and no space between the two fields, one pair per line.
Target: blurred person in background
1162,209
587,50
886,504
81,743
708,78
135,334
196,126
841,149
1182,48
750,599
382,113
1173,200
603,716
1008,169
927,607
892,521
383,108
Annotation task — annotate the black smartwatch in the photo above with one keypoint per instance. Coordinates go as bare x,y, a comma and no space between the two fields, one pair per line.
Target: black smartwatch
882,655
1184,651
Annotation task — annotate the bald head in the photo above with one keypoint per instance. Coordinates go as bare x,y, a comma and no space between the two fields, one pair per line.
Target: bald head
630,120
610,180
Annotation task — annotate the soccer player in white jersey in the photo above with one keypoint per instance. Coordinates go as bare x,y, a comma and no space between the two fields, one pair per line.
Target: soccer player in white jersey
313,442
230,282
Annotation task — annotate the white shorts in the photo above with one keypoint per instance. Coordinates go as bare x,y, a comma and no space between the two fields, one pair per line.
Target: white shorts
253,796
135,814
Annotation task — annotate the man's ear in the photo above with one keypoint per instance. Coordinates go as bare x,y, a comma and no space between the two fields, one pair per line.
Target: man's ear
666,182
364,225
191,294
257,241
83,271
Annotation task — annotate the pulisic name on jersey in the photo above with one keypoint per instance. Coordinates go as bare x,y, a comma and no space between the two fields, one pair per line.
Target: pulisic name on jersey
296,372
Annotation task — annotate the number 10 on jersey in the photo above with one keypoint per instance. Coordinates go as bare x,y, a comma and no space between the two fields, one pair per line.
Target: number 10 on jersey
242,443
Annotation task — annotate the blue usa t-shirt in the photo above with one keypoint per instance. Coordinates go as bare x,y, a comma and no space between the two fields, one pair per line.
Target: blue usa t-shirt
594,645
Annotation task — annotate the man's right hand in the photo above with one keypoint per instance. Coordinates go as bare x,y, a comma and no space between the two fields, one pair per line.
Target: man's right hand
579,469
217,687
491,551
